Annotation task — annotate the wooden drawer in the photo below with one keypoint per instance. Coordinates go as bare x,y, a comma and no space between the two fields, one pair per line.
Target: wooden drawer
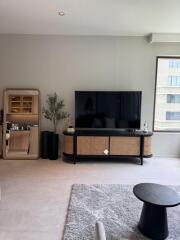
34,141
147,146
1,141
90,145
125,146
68,144
19,141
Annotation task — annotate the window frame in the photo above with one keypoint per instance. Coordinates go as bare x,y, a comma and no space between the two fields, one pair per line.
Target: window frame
155,88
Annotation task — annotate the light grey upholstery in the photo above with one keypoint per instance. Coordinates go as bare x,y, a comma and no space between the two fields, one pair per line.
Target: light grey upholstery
100,231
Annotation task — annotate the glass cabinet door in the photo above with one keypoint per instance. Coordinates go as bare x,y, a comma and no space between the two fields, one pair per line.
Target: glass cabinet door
21,124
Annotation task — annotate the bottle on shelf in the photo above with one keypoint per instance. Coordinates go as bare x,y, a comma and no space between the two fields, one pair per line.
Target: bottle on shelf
145,128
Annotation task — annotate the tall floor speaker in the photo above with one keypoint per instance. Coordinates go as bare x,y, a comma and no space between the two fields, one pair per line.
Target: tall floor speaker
44,144
53,146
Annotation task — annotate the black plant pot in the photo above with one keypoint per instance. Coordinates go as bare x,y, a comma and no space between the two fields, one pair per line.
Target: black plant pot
44,144
53,146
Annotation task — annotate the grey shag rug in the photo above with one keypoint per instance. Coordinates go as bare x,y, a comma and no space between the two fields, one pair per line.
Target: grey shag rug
116,206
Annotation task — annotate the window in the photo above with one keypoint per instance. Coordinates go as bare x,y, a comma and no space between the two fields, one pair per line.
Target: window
173,98
174,63
167,94
172,115
173,80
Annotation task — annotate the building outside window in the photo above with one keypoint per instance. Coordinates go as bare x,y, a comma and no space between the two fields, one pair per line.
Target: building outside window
173,98
174,63
172,115
167,94
173,80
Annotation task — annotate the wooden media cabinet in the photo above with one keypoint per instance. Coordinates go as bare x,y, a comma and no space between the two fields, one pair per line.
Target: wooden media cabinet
107,144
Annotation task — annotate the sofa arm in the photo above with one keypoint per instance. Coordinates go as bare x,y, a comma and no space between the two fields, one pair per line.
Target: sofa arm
100,231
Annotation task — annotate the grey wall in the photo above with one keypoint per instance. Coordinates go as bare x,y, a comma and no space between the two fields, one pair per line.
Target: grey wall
65,64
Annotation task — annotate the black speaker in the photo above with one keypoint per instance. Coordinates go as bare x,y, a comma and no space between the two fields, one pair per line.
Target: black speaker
53,146
44,144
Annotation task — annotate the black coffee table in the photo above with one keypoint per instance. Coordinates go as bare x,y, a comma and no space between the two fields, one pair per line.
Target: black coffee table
153,221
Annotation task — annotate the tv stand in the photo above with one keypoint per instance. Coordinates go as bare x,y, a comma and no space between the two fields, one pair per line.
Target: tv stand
106,144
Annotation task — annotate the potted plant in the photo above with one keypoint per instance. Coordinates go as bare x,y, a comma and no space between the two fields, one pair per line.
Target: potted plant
54,112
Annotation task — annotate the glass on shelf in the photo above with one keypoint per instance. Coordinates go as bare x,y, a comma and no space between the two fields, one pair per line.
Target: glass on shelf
27,104
27,98
15,98
26,110
15,110
15,104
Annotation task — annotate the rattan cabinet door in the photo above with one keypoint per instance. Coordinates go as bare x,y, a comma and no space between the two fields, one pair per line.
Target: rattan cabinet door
92,145
127,146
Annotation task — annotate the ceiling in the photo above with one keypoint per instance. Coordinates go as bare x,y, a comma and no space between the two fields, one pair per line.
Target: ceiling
90,17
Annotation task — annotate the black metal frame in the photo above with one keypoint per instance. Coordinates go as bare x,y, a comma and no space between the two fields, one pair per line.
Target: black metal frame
141,149
155,88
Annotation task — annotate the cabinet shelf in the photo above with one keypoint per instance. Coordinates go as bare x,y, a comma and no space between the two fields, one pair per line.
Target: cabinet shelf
22,104
10,113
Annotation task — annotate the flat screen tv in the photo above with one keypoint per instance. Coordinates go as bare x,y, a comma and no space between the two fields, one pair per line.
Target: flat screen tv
112,110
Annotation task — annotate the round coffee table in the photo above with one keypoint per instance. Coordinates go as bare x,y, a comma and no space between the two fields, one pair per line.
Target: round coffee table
153,221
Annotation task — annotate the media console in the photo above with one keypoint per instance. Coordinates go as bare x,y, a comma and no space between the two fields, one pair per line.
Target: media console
107,144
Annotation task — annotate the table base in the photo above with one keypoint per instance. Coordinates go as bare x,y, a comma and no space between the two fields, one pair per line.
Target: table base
153,222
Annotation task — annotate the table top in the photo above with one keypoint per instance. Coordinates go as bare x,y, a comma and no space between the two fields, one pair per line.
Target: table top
156,194
107,132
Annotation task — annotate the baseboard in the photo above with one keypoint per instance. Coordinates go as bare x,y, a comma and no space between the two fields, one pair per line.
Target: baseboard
167,156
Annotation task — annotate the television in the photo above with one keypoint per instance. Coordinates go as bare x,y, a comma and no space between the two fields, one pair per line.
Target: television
108,110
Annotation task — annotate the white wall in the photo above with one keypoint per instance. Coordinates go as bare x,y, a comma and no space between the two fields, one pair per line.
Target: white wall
65,64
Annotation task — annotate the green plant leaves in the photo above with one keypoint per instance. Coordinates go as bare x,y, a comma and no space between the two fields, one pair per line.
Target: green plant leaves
54,109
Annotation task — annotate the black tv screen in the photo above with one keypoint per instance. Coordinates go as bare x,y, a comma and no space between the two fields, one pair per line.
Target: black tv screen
108,109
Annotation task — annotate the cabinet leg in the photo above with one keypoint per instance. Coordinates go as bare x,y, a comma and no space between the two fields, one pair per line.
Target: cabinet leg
142,149
74,149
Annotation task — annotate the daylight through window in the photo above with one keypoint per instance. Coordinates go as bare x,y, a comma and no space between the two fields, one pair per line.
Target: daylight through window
167,95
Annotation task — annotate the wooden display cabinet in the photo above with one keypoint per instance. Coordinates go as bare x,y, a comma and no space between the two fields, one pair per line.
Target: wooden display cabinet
21,124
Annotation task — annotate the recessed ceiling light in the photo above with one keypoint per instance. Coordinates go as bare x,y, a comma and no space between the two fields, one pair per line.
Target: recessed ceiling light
61,13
